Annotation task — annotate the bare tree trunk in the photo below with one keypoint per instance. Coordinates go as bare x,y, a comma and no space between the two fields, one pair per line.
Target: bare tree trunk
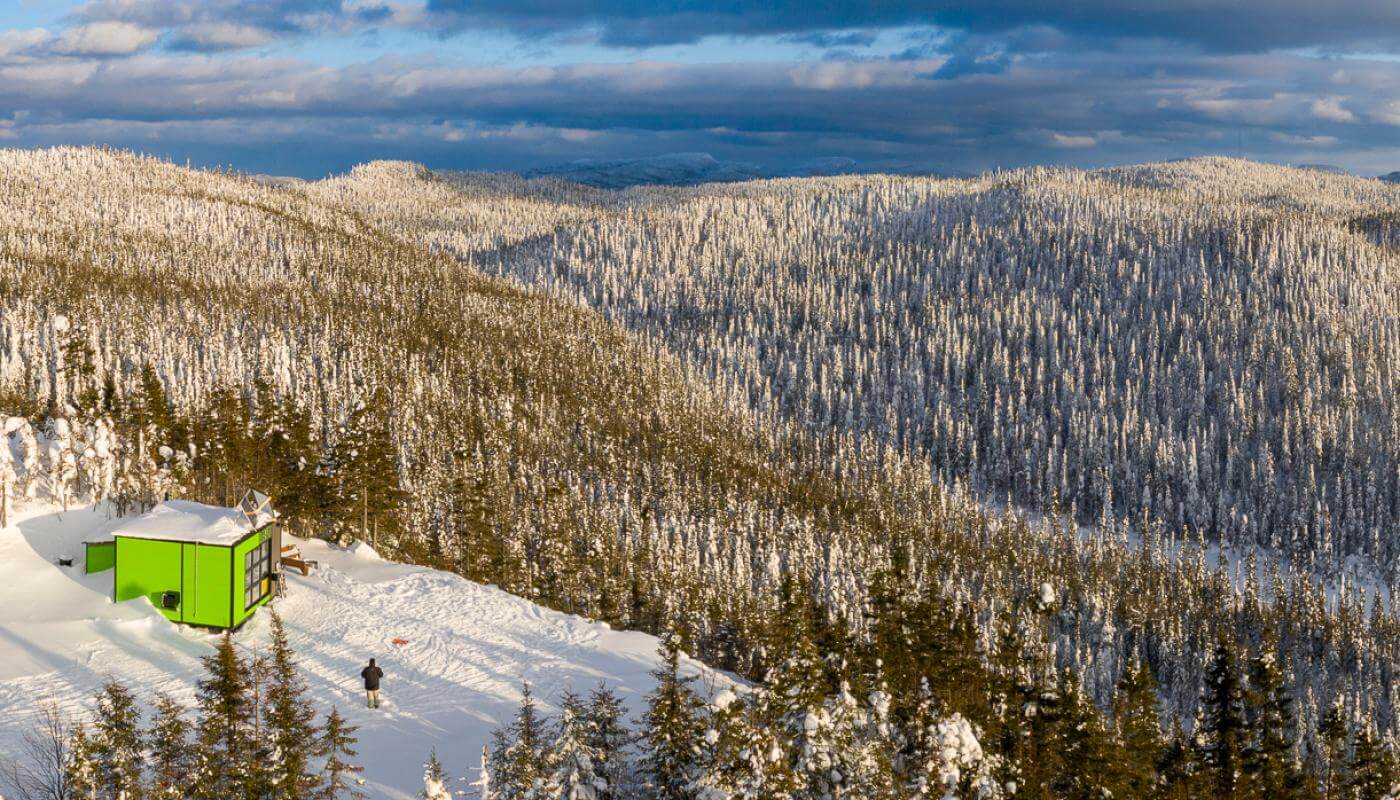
39,769
364,517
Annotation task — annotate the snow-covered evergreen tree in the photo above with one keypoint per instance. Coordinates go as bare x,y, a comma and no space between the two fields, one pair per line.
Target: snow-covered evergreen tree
673,728
1221,732
520,767
114,747
288,720
225,744
609,739
171,758
576,774
435,780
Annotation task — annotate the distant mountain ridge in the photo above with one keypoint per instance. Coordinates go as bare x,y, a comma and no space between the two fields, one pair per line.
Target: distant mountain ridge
669,169
689,169
1331,168
1391,177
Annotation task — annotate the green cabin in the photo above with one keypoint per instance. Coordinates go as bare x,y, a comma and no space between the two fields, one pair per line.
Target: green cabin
198,564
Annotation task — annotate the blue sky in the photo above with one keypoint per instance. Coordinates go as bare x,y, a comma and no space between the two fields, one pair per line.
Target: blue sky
308,87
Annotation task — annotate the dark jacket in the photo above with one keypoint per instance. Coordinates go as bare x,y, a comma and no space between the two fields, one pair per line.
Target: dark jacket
371,676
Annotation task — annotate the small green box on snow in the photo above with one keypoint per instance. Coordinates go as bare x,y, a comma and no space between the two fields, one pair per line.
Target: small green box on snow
198,564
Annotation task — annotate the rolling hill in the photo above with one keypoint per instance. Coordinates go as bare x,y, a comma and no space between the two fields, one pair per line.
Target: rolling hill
1162,396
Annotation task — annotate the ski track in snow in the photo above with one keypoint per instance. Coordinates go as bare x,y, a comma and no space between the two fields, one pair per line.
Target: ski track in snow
459,677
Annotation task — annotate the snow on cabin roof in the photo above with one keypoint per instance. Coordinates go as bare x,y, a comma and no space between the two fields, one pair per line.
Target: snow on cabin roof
186,521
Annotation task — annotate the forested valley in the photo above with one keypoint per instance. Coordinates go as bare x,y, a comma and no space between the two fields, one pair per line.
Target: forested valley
1093,475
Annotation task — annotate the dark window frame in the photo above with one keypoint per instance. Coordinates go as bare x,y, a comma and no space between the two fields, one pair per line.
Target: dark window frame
257,567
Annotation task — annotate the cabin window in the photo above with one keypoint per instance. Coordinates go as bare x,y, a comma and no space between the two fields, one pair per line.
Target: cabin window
257,574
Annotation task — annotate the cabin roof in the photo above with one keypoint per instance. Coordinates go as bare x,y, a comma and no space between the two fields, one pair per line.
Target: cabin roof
187,521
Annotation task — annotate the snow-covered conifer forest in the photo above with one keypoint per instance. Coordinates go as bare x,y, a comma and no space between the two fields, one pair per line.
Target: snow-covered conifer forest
1024,449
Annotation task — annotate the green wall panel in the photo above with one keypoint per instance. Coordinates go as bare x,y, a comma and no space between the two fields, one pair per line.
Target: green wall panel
147,568
211,595
101,556
189,574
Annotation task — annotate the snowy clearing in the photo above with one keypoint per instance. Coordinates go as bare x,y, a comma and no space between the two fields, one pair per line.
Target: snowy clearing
458,677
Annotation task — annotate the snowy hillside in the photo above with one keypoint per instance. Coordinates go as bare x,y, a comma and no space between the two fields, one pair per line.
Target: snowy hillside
459,677
780,416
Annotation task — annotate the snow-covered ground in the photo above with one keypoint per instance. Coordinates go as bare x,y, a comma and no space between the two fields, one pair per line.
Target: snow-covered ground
469,647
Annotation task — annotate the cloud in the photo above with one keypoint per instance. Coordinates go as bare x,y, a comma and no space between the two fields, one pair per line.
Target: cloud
1389,114
1072,141
213,36
1219,25
956,99
37,75
20,42
1330,109
969,56
834,39
984,36
218,25
1306,141
105,39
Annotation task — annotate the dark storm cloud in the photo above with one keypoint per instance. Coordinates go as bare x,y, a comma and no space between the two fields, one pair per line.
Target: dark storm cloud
1222,25
178,76
832,39
1105,107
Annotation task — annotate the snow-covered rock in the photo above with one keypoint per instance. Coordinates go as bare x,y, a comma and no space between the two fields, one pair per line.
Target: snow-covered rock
364,551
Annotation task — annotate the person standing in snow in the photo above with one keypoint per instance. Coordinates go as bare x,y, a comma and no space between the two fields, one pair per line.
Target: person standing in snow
372,675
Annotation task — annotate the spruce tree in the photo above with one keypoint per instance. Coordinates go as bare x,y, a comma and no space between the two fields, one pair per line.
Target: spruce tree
1223,730
1270,769
891,629
225,747
365,474
1007,697
1331,761
920,760
1088,753
715,769
673,728
1138,727
521,758
261,780
115,745
573,761
608,738
492,781
1372,769
171,761
742,760
291,453
1030,710
795,684
435,780
338,778
79,771
866,757
289,720
1179,771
